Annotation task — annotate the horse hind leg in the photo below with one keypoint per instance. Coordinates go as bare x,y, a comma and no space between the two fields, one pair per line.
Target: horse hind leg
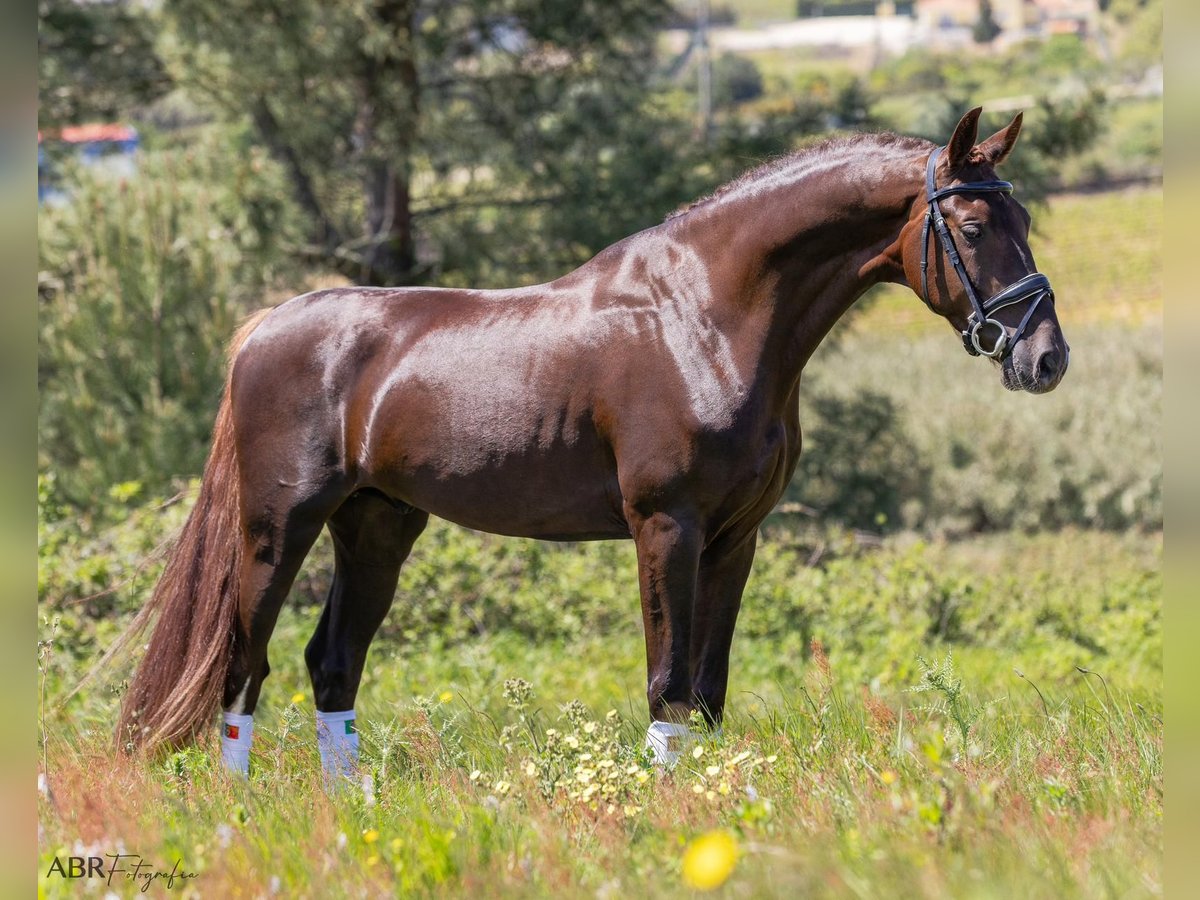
372,537
276,541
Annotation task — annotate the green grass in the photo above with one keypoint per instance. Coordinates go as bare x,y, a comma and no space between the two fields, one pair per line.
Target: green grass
757,13
790,71
834,778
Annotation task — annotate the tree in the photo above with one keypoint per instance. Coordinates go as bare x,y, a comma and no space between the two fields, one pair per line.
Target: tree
140,284
96,61
391,116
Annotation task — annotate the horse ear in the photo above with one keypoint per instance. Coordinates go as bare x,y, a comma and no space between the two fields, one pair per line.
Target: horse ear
996,148
963,139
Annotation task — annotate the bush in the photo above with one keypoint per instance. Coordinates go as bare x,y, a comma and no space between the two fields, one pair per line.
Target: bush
951,451
736,79
141,282
1093,594
859,464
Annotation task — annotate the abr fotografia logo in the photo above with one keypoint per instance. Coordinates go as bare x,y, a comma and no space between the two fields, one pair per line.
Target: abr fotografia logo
128,867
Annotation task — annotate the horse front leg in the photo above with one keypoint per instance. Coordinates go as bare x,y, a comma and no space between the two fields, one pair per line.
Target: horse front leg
668,551
724,568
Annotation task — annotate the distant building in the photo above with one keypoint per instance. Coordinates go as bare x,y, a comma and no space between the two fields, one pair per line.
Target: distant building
1076,17
97,139
1016,18
939,14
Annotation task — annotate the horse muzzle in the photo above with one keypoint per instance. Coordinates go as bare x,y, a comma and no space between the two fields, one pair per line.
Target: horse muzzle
1037,370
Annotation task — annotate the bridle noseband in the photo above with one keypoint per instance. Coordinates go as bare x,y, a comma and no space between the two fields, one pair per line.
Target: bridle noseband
1034,287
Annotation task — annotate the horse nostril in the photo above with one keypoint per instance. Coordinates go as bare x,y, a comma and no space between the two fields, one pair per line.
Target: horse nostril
1048,366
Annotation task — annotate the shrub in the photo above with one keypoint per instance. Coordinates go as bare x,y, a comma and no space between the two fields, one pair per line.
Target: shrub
736,79
1073,597
950,451
141,282
859,464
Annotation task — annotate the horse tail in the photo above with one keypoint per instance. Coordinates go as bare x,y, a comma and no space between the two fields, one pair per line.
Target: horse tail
180,680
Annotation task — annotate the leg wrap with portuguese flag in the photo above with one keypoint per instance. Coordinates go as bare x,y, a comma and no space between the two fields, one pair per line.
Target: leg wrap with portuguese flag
236,732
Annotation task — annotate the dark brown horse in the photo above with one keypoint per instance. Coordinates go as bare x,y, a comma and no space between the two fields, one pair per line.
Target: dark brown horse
650,394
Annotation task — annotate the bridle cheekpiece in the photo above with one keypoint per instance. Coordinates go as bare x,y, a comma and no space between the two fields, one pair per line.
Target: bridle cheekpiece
1034,287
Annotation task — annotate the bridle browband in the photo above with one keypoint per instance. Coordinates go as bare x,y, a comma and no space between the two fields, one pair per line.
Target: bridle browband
1034,287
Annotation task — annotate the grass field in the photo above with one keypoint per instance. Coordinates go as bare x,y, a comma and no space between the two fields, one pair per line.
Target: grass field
502,716
757,13
831,776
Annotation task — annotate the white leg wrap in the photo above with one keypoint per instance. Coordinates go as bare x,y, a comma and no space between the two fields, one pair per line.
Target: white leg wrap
668,741
337,739
236,732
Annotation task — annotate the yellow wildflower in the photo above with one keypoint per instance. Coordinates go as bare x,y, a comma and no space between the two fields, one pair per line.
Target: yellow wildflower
709,860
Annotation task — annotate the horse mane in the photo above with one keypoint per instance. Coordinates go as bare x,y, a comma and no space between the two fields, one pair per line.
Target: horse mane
803,158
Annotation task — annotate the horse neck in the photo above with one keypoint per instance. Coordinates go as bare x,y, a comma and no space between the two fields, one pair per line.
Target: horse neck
792,256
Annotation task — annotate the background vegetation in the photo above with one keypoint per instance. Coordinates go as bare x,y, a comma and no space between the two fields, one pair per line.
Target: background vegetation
998,552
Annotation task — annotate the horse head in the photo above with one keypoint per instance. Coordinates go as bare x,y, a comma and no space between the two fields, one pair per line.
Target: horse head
966,254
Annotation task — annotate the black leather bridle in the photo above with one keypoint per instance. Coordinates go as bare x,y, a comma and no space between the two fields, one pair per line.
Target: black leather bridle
1033,288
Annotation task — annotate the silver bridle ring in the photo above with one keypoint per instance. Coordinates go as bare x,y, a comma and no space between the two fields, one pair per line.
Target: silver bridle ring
1001,341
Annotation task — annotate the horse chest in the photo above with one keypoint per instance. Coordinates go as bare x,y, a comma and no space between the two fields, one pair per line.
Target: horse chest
758,473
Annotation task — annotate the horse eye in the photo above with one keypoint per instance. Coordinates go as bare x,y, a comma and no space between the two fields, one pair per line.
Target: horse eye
971,232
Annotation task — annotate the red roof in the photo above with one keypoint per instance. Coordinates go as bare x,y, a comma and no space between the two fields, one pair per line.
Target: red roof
85,134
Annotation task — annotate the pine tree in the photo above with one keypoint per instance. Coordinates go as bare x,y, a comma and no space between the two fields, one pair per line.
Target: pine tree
392,117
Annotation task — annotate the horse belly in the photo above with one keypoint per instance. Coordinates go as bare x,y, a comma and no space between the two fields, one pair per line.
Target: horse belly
538,501
492,462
